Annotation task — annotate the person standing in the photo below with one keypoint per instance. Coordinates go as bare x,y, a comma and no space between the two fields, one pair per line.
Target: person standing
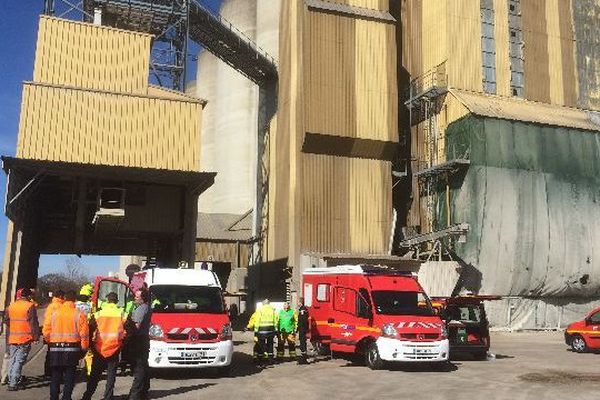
84,305
22,330
303,327
58,297
5,360
251,323
286,326
67,335
265,326
107,327
140,346
83,302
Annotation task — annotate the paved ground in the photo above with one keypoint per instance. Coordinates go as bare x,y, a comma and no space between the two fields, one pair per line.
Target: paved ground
527,366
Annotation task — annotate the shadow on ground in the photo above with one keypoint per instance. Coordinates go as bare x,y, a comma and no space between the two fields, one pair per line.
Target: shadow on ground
242,365
162,393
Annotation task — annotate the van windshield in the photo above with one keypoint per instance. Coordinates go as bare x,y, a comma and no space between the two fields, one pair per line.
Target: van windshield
186,299
402,303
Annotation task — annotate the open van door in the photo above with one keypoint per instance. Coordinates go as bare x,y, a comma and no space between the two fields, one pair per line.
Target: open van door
104,286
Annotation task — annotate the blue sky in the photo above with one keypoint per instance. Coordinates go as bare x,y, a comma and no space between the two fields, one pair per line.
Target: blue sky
18,24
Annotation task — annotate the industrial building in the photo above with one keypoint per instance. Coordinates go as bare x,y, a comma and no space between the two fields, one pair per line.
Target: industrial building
463,132
105,162
503,108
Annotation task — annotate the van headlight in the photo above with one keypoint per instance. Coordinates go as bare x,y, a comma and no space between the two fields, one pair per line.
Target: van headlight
226,333
156,332
389,330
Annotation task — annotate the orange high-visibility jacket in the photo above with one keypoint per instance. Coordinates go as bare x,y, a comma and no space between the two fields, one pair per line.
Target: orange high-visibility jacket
110,329
67,325
20,330
53,306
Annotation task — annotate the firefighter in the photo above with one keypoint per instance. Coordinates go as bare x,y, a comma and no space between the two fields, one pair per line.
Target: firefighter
107,327
22,329
84,305
67,335
58,297
251,322
303,327
83,302
287,322
265,326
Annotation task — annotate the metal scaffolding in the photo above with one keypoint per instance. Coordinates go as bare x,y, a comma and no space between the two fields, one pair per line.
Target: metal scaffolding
424,98
173,23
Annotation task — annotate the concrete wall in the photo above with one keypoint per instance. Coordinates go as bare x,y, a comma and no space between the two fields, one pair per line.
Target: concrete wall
230,120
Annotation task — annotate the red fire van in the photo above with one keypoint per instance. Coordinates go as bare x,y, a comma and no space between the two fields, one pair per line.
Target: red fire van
584,335
375,311
190,327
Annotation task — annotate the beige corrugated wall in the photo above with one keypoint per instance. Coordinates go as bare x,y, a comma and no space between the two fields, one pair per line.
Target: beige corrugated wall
335,204
346,204
93,57
351,84
372,4
463,28
281,201
90,102
223,252
432,34
502,38
74,125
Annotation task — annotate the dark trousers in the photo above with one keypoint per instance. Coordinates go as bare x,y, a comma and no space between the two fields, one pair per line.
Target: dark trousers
99,364
265,341
256,348
141,371
47,371
284,338
66,375
302,342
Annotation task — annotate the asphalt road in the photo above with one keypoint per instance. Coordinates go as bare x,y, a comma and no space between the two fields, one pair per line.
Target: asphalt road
526,366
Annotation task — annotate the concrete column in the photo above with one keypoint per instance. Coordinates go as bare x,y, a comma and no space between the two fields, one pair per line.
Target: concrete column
190,220
7,290
21,262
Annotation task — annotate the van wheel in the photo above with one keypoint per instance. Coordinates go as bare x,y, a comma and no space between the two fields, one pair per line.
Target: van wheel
578,344
372,358
321,349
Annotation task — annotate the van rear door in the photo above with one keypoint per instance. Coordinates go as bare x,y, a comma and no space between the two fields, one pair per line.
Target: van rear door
317,297
104,286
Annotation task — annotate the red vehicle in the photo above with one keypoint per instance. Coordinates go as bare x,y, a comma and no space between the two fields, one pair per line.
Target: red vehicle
190,327
468,327
376,312
584,335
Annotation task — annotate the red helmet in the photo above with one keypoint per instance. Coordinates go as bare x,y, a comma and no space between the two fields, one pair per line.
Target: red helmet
22,292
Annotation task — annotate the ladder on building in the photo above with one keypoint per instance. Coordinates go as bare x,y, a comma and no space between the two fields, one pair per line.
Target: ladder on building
424,99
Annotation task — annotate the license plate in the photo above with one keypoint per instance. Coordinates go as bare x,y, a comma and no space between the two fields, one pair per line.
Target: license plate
422,351
192,355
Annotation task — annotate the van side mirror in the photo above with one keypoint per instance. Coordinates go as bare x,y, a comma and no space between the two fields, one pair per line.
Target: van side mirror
443,314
